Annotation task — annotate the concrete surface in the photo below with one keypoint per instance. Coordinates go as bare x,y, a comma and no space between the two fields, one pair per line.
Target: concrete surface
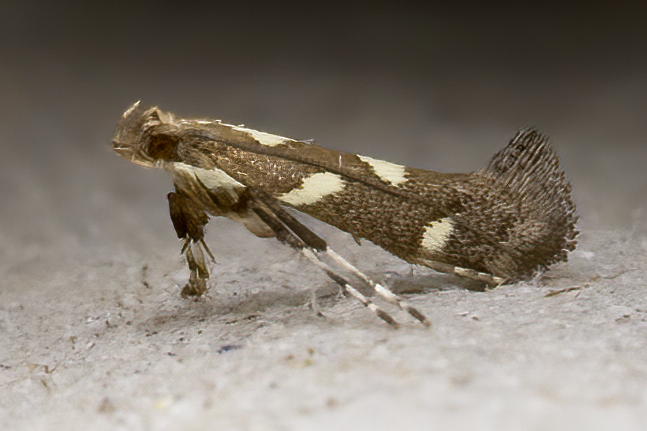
93,332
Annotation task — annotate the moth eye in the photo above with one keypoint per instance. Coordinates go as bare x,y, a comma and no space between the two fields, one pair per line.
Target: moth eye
161,148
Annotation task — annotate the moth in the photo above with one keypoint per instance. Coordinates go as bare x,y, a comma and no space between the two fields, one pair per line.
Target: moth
499,224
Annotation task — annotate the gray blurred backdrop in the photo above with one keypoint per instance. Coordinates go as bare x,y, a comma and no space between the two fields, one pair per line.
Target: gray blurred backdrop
434,86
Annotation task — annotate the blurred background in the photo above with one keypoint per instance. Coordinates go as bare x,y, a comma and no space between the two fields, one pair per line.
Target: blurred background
429,85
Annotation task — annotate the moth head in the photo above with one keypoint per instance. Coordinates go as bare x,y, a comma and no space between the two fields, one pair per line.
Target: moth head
140,136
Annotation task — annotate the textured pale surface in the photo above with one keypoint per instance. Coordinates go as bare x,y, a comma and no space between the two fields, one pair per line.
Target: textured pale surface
84,344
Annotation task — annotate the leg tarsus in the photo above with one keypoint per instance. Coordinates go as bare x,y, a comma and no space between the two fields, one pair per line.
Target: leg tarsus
492,280
383,291
199,273
206,248
314,305
347,288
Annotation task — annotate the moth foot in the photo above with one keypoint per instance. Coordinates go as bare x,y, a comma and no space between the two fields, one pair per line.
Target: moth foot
194,290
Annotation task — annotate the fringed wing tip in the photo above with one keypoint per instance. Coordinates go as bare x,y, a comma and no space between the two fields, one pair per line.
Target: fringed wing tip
529,169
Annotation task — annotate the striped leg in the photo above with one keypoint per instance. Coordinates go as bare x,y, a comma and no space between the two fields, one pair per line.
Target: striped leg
383,291
199,271
490,279
189,221
347,288
297,235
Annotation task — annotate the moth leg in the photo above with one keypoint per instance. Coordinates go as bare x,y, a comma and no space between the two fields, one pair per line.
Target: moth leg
199,273
207,249
189,222
314,304
307,235
288,236
492,280
347,288
383,291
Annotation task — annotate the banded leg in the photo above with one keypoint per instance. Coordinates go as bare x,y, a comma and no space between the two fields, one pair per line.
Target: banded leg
491,280
189,221
199,272
348,289
381,290
312,246
286,235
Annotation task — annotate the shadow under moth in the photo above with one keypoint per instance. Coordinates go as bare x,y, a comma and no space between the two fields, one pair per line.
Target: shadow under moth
499,224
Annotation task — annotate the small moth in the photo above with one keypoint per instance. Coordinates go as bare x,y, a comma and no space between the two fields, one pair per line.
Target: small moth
499,224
